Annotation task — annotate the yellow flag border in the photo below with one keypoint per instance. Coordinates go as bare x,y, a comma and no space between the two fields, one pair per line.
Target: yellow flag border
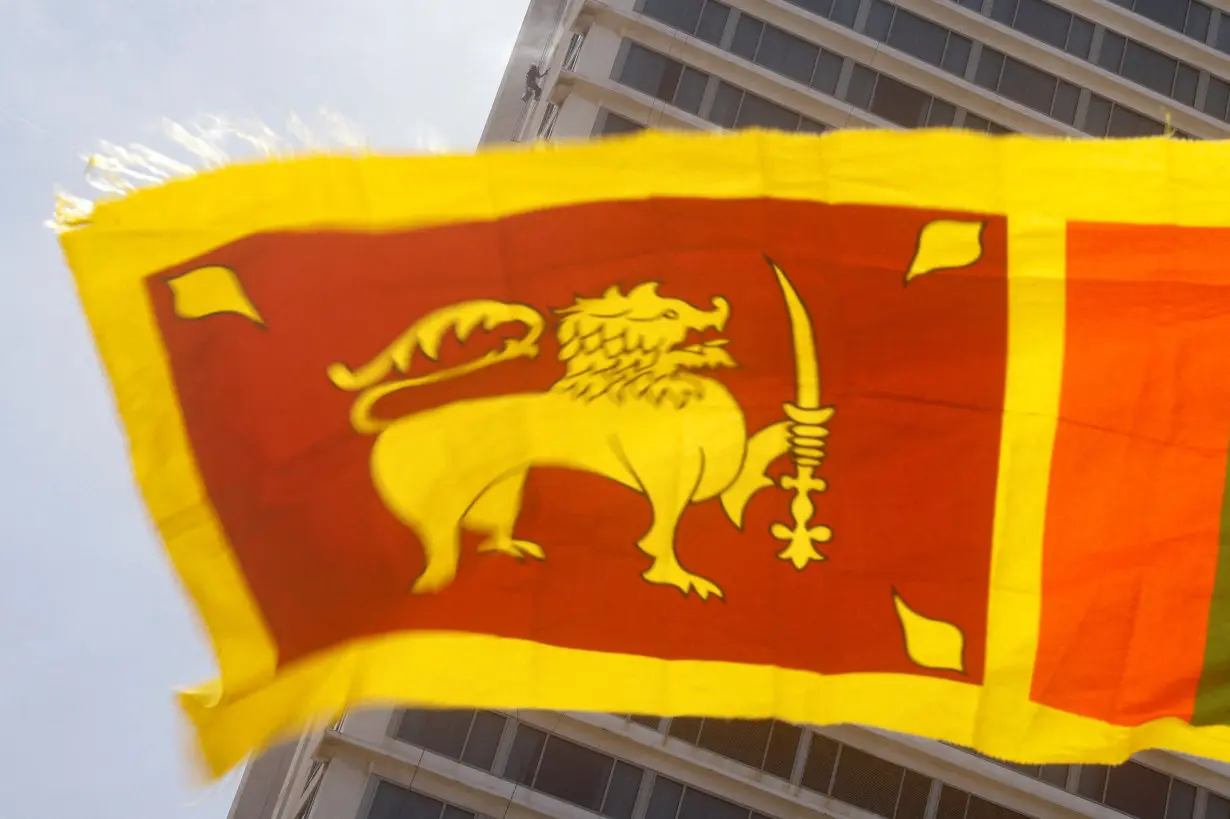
1038,184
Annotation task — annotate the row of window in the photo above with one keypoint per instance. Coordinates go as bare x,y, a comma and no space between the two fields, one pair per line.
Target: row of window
1117,54
1130,788
608,786
389,801
729,106
1190,17
808,64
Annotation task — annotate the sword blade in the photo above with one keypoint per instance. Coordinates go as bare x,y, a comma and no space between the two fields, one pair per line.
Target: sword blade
803,337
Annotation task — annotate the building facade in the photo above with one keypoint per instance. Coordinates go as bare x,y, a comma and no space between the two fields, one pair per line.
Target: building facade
1115,68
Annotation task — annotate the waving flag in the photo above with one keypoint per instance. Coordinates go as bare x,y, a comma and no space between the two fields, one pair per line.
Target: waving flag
925,431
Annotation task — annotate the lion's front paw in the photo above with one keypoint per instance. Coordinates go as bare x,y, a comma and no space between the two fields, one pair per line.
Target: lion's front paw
670,573
510,546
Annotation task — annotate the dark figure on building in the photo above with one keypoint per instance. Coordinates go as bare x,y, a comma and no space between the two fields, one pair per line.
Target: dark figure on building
533,90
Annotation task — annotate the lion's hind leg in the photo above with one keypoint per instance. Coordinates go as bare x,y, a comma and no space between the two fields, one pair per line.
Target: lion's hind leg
495,511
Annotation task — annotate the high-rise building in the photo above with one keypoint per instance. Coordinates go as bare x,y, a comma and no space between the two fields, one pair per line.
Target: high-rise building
1072,67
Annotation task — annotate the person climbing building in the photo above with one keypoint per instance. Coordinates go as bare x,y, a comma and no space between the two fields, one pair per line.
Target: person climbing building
533,90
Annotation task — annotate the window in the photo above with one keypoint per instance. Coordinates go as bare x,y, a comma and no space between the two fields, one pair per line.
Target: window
862,84
1217,807
747,37
681,14
828,72
766,745
466,736
786,54
648,722
1150,68
912,801
671,800
391,801
1027,85
757,112
726,102
691,91
1217,97
1137,791
573,773
899,103
820,764
713,22
867,782
663,78
1044,22
1067,97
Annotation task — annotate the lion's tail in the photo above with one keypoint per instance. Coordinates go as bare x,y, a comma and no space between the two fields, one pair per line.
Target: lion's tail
426,336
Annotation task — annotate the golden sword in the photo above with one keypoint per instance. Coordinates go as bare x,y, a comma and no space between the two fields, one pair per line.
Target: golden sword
806,435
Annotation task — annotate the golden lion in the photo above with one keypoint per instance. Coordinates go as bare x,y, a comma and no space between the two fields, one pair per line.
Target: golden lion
631,406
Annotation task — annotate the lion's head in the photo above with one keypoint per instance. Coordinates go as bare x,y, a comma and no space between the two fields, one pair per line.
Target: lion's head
633,345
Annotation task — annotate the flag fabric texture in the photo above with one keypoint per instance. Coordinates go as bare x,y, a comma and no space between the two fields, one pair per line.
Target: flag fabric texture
924,431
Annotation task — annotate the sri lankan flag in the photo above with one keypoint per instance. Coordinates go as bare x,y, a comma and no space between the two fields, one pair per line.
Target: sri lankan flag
924,431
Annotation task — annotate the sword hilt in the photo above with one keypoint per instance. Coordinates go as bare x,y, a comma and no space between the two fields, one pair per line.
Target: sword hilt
807,432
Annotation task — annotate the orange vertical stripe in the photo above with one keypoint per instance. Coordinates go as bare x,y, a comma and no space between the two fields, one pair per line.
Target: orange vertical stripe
1138,472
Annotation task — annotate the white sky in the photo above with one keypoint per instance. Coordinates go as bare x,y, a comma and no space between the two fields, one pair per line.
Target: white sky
94,631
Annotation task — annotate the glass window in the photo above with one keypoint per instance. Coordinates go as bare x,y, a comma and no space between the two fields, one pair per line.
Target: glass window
691,90
1130,787
980,808
862,83
1067,97
724,112
1092,781
680,14
643,69
820,763
879,20
758,112
573,773
942,114
1111,55
1223,37
468,736
613,123
747,37
713,22
786,54
810,126
1004,11
972,5
688,728
1217,96
899,103
395,802
1170,13
1056,775
483,740
1027,85
956,54
1043,21
912,803
821,8
647,721
700,805
1080,38
952,803
918,37
1124,122
1198,17
844,12
1150,68
1182,800
1185,81
990,64
1217,807
743,741
976,123
828,72
524,755
785,736
664,800
621,792
867,782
